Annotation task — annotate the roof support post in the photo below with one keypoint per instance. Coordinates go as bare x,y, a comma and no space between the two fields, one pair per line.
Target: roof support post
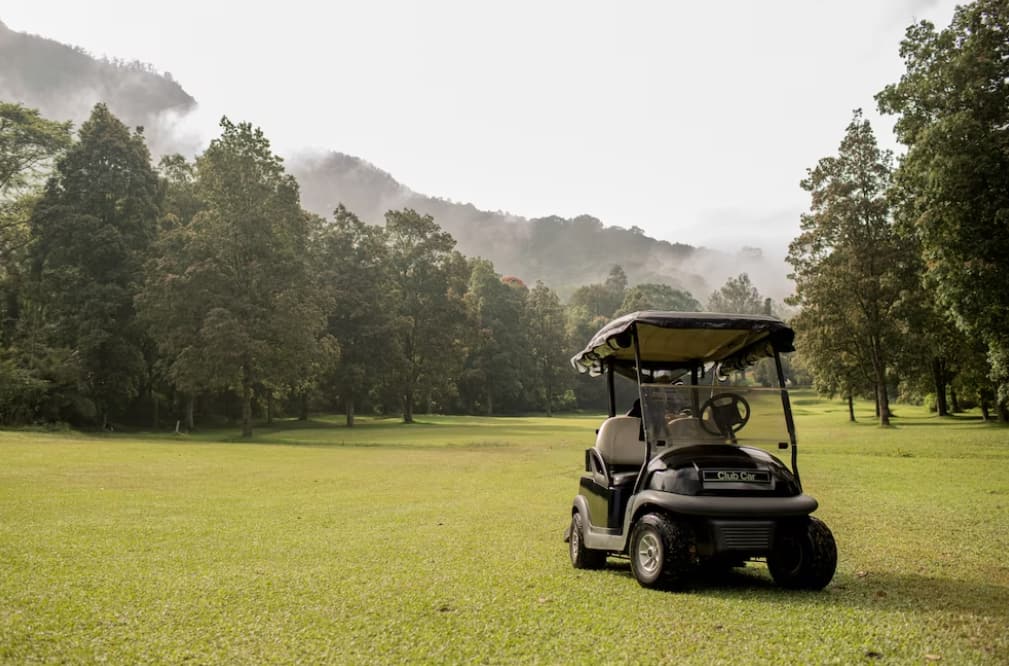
789,421
610,369
641,397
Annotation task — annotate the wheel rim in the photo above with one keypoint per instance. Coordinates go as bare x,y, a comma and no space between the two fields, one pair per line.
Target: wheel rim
649,553
576,540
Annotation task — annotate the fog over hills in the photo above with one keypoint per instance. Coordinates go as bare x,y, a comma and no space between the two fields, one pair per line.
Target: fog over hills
65,82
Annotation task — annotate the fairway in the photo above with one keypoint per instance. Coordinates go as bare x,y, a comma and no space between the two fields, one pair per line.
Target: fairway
441,542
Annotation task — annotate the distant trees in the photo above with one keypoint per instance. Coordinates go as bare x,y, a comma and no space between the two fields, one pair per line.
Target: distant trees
739,296
652,296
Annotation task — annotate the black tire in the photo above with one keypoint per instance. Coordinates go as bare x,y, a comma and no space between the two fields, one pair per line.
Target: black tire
804,556
662,552
582,557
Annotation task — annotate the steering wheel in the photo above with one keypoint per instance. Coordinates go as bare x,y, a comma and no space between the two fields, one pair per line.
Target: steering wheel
729,413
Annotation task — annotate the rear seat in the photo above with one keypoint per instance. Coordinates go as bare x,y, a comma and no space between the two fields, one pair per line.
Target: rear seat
620,448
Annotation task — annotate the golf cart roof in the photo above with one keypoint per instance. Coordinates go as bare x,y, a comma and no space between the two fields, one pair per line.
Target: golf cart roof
684,340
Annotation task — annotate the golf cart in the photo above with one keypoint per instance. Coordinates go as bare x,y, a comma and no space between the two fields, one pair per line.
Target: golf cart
685,482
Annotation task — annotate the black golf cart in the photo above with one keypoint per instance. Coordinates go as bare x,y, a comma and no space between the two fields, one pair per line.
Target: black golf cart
685,481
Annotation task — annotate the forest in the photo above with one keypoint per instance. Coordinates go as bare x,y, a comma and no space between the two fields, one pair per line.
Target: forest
198,292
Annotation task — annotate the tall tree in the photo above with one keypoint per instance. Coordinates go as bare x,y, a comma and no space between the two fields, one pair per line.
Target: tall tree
241,273
90,236
429,278
354,267
953,184
845,261
497,343
547,344
172,313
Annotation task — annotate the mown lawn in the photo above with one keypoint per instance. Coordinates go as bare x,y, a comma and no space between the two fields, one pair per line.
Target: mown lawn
442,542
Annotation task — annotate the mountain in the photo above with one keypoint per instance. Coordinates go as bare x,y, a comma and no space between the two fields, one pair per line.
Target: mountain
65,82
564,253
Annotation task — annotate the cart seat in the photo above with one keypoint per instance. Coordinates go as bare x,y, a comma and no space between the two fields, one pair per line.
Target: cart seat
618,443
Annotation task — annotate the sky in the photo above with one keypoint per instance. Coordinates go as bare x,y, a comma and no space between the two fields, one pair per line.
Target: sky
694,121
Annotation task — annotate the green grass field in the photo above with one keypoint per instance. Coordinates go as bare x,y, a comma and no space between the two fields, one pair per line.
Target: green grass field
442,542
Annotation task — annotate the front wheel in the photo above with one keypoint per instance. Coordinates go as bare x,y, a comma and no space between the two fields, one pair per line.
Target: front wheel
662,552
804,556
582,557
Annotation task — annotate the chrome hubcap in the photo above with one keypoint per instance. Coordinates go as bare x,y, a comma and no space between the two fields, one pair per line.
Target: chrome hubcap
649,553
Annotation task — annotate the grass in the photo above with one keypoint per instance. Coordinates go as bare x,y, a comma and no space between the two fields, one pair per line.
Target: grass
441,542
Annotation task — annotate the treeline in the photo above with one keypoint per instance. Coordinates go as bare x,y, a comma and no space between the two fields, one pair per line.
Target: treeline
902,271
197,292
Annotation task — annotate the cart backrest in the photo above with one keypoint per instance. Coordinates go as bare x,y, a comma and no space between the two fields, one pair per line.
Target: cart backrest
618,443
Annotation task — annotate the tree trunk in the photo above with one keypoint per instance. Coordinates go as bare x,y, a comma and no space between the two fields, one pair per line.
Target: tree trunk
953,399
349,402
187,415
490,402
157,411
246,403
851,408
983,401
303,413
939,378
408,407
884,406
1003,411
269,408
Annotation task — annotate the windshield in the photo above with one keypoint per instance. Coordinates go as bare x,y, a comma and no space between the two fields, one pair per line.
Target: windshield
682,415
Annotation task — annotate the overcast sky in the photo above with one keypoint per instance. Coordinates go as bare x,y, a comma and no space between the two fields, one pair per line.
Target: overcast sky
694,121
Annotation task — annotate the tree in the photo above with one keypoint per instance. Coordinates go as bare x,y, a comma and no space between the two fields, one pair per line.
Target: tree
846,263
652,296
29,144
429,278
602,300
250,317
738,296
547,344
498,351
952,186
354,267
90,235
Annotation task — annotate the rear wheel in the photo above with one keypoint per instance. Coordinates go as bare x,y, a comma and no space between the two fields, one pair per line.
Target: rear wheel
662,552
804,556
582,557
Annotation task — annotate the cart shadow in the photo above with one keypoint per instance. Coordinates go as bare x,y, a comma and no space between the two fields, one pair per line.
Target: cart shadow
876,590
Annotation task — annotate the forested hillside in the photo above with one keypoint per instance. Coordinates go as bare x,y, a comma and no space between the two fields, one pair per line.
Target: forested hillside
65,82
564,253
